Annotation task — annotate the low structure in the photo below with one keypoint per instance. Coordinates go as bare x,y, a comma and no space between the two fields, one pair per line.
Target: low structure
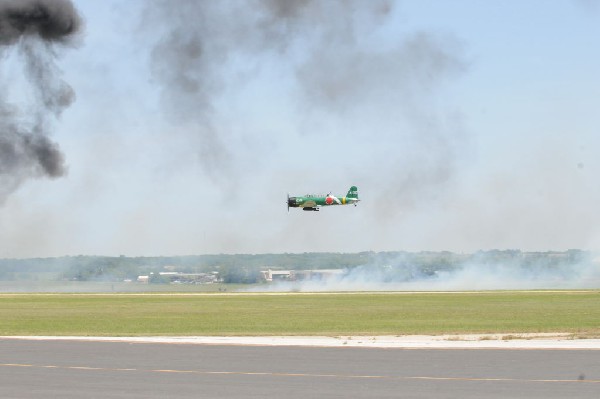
300,275
183,278
278,275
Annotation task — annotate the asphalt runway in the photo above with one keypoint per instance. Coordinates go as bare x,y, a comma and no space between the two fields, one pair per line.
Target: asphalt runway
75,369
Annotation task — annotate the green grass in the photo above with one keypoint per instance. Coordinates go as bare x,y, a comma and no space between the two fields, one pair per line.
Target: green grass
300,314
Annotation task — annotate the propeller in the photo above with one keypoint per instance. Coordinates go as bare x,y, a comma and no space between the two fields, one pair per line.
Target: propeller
288,202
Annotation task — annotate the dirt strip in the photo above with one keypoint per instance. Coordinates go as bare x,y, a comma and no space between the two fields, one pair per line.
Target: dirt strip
486,341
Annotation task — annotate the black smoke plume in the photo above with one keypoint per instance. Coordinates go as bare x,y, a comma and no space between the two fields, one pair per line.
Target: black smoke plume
35,28
193,60
206,49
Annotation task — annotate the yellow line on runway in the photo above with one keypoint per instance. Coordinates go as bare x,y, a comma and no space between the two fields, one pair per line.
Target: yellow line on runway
169,371
309,375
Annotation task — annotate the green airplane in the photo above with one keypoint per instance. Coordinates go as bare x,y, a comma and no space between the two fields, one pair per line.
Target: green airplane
311,202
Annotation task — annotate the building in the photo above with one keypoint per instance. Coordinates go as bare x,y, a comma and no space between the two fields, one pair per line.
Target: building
300,275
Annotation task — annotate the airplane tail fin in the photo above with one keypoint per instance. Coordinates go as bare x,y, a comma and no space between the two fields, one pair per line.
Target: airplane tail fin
352,193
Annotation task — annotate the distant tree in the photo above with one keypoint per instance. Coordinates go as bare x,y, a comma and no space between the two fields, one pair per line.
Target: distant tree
157,278
239,274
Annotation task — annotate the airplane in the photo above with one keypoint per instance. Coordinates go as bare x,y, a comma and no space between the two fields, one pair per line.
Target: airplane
311,202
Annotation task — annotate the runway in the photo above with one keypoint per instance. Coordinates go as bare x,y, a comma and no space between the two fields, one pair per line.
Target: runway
90,369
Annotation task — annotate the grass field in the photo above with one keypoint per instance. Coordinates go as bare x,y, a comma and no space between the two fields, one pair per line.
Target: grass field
155,314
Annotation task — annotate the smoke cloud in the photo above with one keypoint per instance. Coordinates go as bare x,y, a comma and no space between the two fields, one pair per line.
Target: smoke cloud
35,28
482,271
338,69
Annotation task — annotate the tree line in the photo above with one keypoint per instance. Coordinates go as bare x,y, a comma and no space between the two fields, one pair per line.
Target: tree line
245,268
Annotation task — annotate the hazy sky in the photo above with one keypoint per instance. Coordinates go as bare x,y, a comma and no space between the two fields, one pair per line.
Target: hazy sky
466,125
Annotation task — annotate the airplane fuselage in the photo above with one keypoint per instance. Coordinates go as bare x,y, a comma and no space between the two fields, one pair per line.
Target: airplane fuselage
313,202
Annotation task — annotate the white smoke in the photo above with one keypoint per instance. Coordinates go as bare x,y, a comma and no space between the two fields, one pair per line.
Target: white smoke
475,274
